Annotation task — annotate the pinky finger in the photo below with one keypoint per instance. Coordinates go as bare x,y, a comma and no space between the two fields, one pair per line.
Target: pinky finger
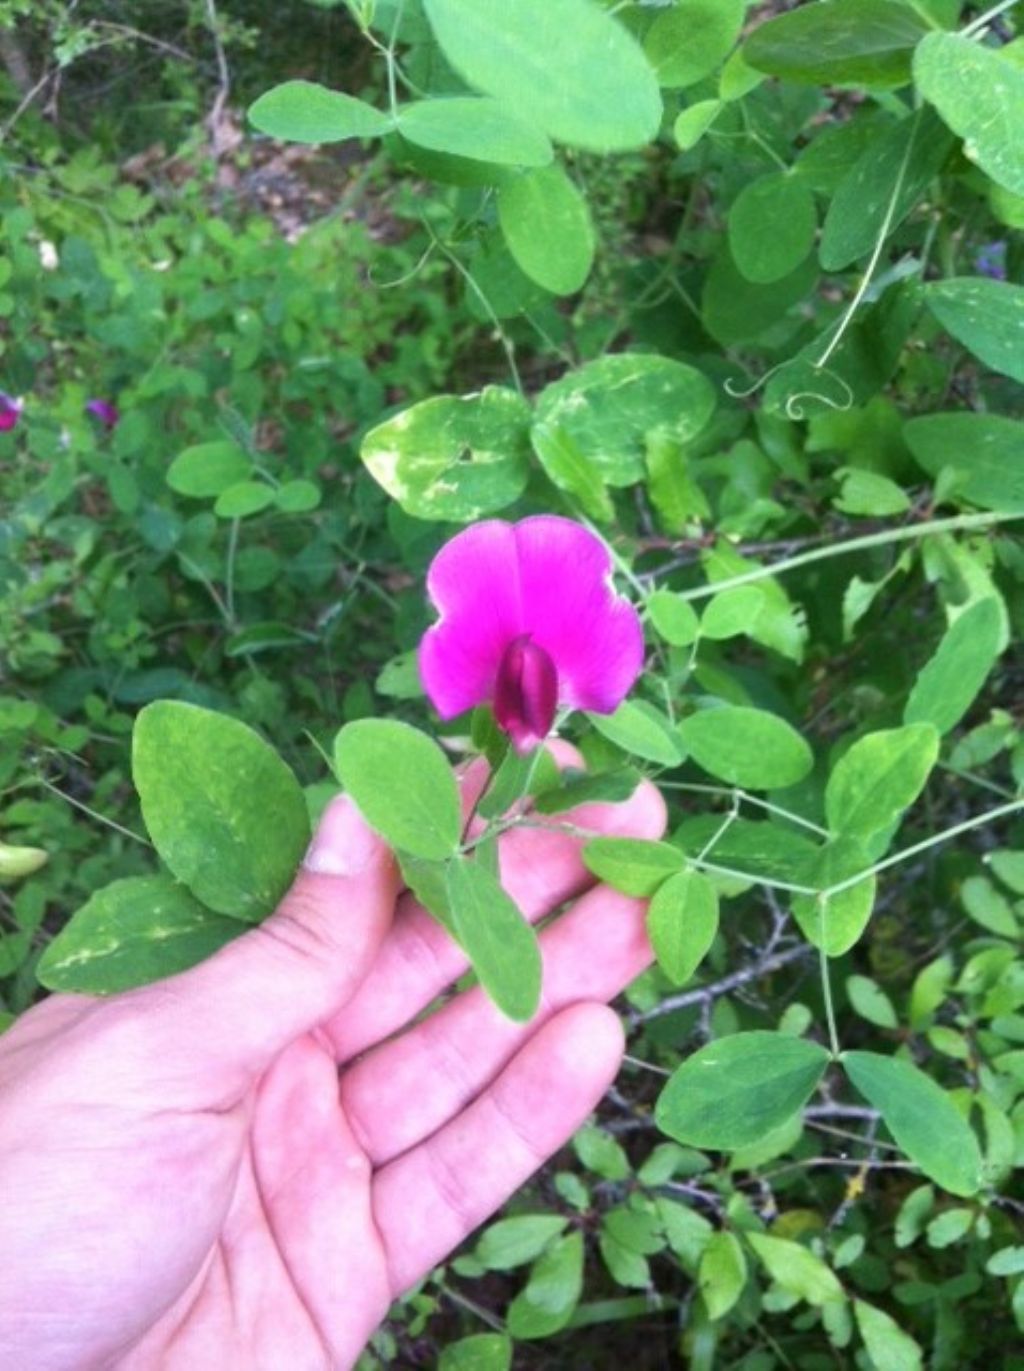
431,1198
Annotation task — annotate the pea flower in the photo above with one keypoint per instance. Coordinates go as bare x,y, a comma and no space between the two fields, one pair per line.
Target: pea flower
991,261
10,411
108,414
529,623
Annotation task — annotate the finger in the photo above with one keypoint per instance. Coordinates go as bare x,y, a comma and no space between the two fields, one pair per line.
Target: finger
428,1200
540,869
406,1089
284,978
314,1190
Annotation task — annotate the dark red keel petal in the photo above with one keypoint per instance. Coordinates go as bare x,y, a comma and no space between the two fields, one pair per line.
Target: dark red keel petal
525,693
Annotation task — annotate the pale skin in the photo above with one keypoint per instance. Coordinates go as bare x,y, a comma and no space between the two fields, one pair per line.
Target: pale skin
189,1185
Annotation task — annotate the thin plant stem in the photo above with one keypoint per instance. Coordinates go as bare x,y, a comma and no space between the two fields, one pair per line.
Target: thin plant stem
826,990
506,342
906,533
721,830
981,781
699,788
645,1066
92,813
976,25
979,821
229,572
869,271
769,884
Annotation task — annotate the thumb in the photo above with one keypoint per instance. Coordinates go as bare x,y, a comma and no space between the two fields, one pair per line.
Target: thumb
259,993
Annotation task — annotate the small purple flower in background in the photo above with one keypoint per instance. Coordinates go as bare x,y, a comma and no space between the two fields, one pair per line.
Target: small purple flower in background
108,415
991,261
10,411
529,622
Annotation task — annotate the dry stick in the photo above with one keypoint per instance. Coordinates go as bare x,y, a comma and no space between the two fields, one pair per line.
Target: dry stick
728,983
224,78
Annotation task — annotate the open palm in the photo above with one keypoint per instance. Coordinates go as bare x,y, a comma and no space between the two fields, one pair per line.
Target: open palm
190,1184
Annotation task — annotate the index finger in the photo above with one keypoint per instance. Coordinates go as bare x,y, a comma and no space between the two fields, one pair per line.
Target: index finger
540,869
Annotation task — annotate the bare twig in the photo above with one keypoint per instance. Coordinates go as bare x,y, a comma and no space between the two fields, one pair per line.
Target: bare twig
213,122
138,36
705,993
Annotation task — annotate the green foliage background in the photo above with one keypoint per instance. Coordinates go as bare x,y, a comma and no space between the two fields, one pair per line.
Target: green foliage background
745,293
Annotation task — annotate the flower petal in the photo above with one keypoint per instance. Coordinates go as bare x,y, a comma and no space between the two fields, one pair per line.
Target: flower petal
108,414
593,636
474,583
525,693
547,577
10,412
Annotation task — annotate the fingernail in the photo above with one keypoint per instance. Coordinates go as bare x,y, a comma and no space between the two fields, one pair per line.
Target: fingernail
343,844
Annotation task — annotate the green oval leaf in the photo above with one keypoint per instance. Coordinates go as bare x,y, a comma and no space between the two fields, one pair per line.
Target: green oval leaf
722,1273
479,1352
986,316
596,91
764,850
304,112
747,747
402,783
682,922
870,1001
948,684
205,470
552,1292
481,129
297,497
692,39
988,906
693,122
882,187
921,1118
244,498
985,450
546,224
878,777
836,924
735,310
636,866
640,729
732,612
130,933
796,1269
453,457
844,42
443,167
887,1344
610,408
514,1242
980,95
784,201
674,618
737,1089
225,813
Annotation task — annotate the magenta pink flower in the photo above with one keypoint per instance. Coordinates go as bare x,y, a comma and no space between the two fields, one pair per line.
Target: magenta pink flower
10,412
108,415
529,622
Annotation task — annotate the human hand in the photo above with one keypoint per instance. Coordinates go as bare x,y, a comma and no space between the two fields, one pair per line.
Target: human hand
185,1183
